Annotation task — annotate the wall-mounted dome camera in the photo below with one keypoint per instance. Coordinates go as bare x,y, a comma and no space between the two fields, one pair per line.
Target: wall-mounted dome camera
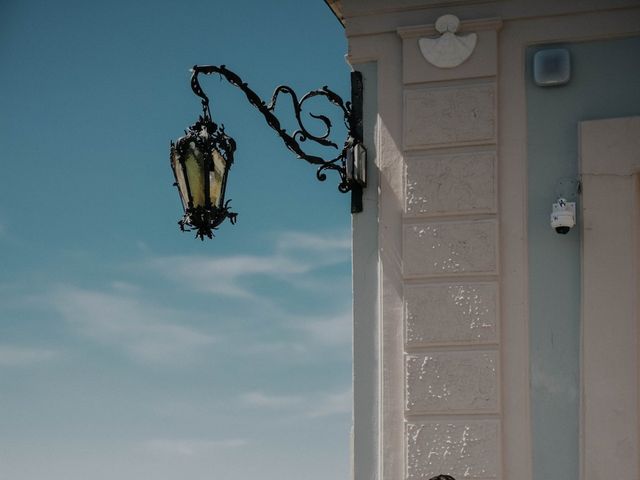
563,216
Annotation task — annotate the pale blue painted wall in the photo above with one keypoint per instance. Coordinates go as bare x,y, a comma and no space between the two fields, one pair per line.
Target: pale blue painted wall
605,83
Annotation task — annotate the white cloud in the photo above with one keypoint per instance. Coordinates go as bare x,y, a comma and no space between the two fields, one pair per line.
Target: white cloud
338,403
295,254
12,356
146,332
310,405
118,318
310,337
124,287
288,241
334,330
263,400
274,348
190,447
222,276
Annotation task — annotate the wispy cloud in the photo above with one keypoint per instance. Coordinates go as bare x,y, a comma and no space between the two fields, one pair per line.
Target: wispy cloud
13,356
332,330
291,241
309,405
190,447
309,337
124,287
294,255
263,400
222,276
338,403
146,332
275,348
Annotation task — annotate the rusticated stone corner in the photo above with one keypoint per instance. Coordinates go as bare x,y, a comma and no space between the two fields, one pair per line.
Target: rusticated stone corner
449,115
446,382
462,449
441,248
460,183
451,313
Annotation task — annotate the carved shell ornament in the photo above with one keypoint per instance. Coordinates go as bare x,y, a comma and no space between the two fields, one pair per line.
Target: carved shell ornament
448,50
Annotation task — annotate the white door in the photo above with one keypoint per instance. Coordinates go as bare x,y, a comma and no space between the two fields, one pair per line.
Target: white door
610,166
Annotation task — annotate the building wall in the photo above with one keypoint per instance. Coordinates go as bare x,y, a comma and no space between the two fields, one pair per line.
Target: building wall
604,83
366,347
610,206
451,279
450,262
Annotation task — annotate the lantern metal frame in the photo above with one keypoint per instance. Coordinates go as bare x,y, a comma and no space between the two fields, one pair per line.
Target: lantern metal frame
207,137
349,163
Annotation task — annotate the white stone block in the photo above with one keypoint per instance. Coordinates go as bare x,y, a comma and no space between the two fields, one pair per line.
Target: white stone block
461,183
441,248
446,382
462,449
451,313
439,116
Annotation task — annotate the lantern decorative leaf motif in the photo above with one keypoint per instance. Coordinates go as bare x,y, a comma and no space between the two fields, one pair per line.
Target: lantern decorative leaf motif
200,161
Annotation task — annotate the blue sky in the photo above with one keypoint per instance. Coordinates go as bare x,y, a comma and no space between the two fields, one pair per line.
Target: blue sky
127,348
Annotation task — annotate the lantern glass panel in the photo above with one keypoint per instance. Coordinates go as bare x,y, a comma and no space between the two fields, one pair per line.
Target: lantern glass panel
217,178
194,163
179,174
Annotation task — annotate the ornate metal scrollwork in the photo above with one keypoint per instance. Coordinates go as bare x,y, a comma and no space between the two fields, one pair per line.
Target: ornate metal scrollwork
352,119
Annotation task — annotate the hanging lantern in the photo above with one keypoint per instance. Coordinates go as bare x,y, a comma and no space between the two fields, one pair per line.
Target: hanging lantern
200,161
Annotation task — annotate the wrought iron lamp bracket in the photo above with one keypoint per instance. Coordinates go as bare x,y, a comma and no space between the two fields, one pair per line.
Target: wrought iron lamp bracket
349,163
